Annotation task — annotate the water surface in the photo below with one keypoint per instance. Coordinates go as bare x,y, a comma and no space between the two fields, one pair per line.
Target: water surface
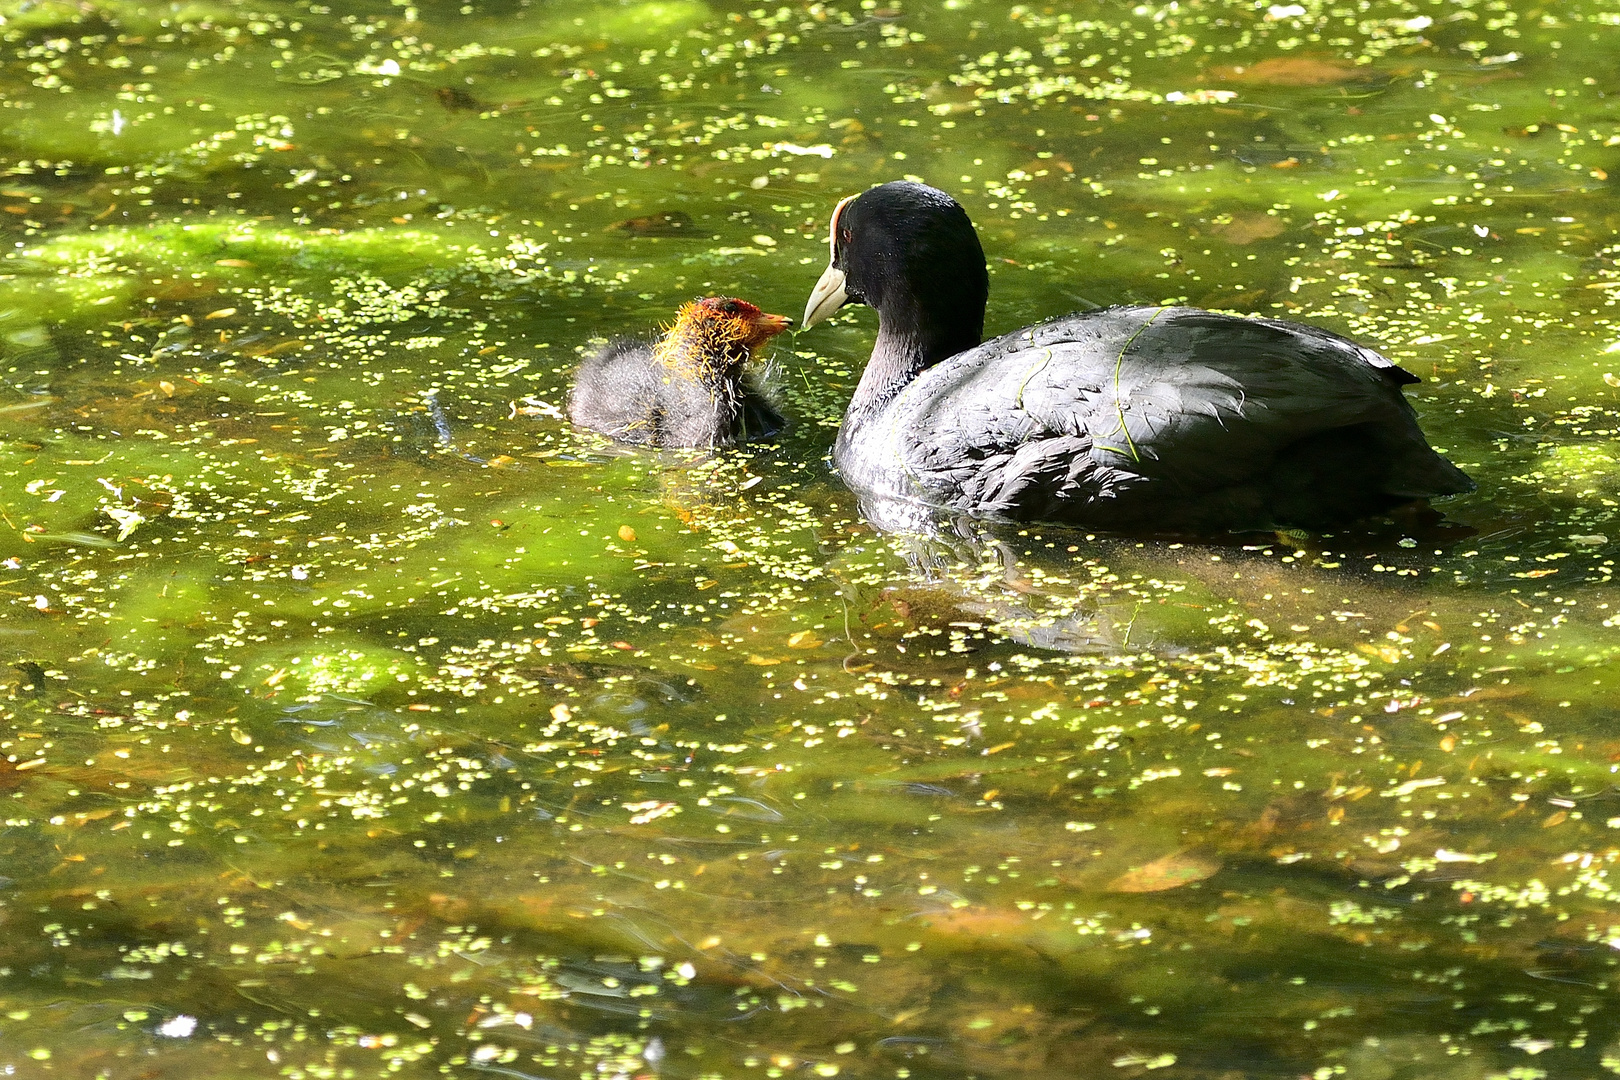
362,719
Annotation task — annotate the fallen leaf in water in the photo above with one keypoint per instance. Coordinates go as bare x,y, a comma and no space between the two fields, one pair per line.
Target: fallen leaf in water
764,661
1247,228
1171,872
1387,653
663,223
262,349
1446,856
1417,785
627,534
804,639
456,99
651,810
1292,71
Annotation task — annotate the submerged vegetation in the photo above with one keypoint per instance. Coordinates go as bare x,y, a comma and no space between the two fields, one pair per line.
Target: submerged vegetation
362,718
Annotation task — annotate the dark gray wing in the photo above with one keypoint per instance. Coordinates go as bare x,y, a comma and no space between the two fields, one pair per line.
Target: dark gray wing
1179,410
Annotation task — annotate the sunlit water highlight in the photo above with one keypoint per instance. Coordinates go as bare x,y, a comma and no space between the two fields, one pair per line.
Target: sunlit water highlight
363,719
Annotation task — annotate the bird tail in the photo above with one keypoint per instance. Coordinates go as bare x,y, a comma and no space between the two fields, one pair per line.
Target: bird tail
1416,471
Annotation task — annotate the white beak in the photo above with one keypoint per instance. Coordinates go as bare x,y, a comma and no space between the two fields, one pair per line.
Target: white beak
826,298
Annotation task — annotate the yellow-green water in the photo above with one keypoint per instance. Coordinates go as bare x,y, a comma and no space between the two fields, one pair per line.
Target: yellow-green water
366,720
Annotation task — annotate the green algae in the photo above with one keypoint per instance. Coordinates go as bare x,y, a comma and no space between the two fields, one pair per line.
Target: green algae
362,718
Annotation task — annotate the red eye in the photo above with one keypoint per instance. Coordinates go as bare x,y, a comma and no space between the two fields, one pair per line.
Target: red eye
836,233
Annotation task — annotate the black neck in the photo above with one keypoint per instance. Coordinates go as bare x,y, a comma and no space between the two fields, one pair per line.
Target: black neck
911,340
896,360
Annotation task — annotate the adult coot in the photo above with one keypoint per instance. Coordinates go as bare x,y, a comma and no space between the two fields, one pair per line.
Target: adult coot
1156,419
691,387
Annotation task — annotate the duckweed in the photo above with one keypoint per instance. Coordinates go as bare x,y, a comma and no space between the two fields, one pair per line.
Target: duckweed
360,718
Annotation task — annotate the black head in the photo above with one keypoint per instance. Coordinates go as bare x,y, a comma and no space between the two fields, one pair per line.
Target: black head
909,251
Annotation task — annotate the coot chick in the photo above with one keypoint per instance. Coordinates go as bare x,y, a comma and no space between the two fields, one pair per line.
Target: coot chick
691,387
1134,419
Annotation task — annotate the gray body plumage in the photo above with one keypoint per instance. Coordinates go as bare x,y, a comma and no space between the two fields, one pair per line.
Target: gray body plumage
1165,419
623,392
